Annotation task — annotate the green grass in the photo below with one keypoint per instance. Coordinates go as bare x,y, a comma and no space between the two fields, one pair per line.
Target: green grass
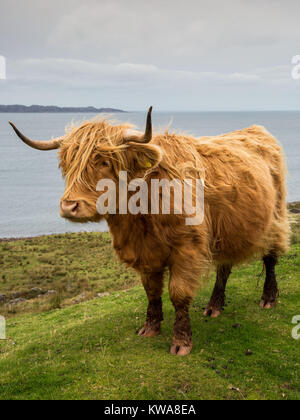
91,351
71,264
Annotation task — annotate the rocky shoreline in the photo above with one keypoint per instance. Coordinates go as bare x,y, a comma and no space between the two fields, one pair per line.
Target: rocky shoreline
15,298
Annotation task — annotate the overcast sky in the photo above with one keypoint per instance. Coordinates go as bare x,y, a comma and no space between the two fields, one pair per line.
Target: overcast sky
173,54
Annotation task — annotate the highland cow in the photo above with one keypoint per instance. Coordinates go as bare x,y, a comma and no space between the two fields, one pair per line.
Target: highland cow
245,212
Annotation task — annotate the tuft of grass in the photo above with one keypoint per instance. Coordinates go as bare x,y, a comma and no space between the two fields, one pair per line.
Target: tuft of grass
295,225
57,298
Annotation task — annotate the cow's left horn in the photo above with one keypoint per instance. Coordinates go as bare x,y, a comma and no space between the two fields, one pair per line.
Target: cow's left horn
148,131
139,137
39,145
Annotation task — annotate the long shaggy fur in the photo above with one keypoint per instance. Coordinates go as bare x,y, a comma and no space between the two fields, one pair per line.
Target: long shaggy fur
245,205
244,173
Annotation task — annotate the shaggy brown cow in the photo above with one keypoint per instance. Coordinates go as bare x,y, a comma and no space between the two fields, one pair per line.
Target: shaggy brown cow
245,208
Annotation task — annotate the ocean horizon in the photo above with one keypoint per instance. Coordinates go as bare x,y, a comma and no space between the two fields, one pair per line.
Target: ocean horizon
31,183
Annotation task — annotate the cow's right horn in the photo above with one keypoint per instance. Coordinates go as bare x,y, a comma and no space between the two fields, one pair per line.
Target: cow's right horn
39,145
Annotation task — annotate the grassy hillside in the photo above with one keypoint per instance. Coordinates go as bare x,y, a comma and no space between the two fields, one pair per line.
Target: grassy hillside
76,266
90,350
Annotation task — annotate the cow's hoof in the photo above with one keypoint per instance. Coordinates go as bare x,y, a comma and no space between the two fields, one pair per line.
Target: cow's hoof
181,350
267,304
212,312
149,331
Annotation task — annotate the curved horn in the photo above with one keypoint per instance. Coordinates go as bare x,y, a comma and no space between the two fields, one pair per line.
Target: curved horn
148,131
137,136
39,145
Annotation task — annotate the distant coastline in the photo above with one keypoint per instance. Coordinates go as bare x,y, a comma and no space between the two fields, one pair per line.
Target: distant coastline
54,109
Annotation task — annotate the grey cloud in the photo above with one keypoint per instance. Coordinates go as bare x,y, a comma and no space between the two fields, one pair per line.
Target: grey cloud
181,55
85,74
175,32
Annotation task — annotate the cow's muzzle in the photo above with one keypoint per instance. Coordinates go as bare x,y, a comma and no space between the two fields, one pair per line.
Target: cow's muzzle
69,209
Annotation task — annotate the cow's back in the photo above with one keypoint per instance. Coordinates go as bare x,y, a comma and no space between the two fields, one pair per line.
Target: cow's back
245,193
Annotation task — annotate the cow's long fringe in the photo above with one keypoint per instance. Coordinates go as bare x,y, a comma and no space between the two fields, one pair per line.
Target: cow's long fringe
82,145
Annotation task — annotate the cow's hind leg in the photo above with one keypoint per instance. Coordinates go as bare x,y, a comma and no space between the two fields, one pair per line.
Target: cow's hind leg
270,294
153,284
217,300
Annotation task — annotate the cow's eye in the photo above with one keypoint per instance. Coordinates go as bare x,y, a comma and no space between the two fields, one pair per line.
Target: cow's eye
105,163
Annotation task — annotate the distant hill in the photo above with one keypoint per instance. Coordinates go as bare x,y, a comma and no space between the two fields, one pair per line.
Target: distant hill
53,109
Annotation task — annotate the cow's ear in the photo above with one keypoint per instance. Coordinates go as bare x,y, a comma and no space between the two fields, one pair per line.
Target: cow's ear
144,156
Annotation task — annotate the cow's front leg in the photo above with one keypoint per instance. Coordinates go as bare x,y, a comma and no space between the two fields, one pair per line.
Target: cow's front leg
182,339
182,288
153,284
